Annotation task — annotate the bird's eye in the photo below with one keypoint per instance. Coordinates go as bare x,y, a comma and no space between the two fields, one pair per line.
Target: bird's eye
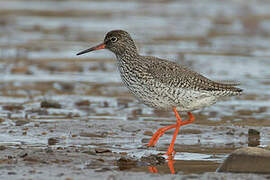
114,39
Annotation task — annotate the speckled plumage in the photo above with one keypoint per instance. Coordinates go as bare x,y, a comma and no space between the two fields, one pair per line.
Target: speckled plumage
160,83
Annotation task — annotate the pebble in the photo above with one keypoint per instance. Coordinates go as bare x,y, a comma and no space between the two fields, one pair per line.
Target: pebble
83,103
247,160
50,104
53,140
100,150
21,122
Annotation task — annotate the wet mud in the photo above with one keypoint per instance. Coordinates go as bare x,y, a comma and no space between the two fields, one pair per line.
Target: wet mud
69,117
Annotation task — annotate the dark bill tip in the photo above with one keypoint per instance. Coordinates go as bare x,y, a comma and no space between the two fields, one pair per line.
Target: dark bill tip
100,46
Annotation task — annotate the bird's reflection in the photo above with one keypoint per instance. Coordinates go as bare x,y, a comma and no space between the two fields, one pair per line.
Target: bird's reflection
170,161
152,169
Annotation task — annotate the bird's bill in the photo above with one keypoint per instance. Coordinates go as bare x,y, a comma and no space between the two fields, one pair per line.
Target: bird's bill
100,46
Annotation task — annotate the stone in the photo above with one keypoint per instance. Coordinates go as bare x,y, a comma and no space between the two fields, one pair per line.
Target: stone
50,104
247,160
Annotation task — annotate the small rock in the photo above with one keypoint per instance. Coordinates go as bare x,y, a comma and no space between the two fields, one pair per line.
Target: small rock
34,159
191,131
36,125
2,120
68,178
21,122
31,159
252,132
60,174
123,103
20,70
32,171
123,153
25,129
145,140
262,109
126,163
105,104
148,133
253,138
100,150
103,169
90,152
247,160
12,107
12,173
153,160
53,140
48,150
213,113
2,148
50,104
22,154
230,132
101,160
83,103
67,87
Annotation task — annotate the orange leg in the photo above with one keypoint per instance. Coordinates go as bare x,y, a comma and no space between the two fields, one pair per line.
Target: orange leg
170,165
152,169
178,123
161,131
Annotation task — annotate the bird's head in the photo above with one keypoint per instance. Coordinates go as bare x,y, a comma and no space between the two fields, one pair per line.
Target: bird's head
117,41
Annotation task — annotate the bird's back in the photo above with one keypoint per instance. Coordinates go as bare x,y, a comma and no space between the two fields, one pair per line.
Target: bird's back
178,76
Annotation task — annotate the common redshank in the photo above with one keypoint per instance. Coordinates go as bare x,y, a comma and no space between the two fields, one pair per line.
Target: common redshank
162,84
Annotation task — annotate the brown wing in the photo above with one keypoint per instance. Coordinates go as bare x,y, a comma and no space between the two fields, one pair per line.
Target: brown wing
175,75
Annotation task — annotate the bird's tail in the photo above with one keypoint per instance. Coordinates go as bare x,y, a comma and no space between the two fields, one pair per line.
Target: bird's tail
230,89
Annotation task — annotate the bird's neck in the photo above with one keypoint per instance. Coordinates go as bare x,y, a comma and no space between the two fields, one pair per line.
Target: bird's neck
128,56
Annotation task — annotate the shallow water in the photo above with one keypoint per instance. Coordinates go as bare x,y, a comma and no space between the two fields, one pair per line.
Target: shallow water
223,40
